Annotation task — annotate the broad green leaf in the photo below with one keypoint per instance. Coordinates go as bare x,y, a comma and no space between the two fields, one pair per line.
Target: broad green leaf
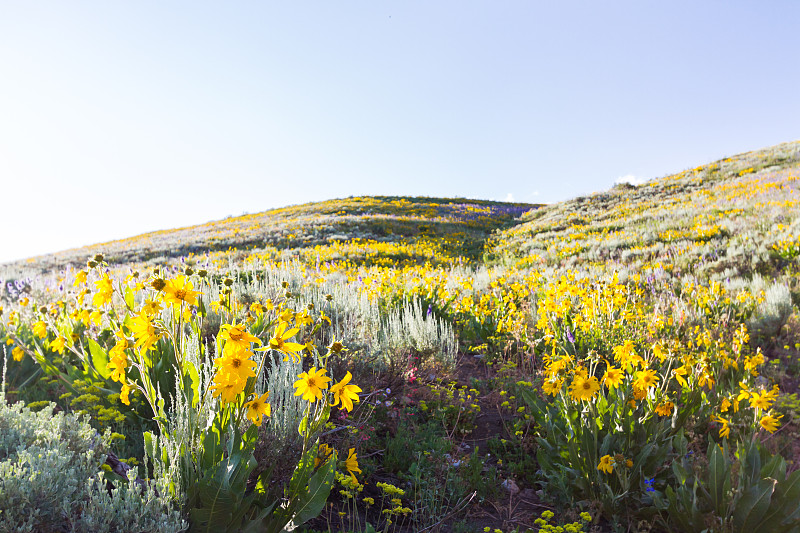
752,506
129,301
717,476
774,468
314,498
751,467
99,359
785,505
193,382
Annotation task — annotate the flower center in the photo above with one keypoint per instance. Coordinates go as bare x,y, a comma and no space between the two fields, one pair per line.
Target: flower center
180,294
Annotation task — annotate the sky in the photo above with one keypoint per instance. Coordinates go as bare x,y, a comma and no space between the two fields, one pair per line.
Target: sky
119,118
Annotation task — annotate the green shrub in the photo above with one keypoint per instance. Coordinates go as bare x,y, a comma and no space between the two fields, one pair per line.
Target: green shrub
51,479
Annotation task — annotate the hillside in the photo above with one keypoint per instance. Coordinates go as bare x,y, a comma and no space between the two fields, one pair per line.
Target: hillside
464,224
737,216
587,364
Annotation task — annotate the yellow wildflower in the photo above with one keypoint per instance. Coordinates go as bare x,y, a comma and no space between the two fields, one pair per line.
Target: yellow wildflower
105,289
179,290
606,464
770,422
258,408
17,353
351,464
584,388
40,329
311,383
344,393
613,377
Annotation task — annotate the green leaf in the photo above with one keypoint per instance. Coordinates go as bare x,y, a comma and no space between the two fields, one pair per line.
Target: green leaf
751,467
774,468
193,382
314,498
129,301
99,359
302,472
680,472
752,506
785,506
718,478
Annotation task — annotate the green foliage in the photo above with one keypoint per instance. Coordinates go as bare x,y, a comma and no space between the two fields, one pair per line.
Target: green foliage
573,442
738,493
50,467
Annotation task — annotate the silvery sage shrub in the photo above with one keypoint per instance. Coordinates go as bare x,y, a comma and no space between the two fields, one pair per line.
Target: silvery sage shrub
50,467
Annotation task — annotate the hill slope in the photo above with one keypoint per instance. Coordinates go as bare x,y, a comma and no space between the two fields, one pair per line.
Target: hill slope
736,216
465,223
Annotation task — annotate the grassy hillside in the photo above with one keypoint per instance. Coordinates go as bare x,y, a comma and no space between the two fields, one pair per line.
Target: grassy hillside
459,224
624,361
731,217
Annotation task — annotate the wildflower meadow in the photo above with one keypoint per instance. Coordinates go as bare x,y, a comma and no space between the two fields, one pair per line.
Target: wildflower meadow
623,361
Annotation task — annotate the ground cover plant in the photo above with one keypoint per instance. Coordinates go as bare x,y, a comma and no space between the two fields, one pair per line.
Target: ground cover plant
625,361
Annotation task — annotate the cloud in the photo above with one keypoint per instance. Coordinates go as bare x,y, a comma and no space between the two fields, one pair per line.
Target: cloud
509,198
630,178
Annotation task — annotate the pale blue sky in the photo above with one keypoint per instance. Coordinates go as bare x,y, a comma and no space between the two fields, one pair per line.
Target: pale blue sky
121,118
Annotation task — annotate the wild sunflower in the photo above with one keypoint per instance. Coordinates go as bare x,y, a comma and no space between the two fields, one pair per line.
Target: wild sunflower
584,388
237,362
179,290
258,408
724,431
323,454
40,329
124,394
552,386
227,386
237,334
344,393
18,353
351,464
770,422
665,408
645,379
144,331
606,464
105,290
311,383
58,344
278,340
613,377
